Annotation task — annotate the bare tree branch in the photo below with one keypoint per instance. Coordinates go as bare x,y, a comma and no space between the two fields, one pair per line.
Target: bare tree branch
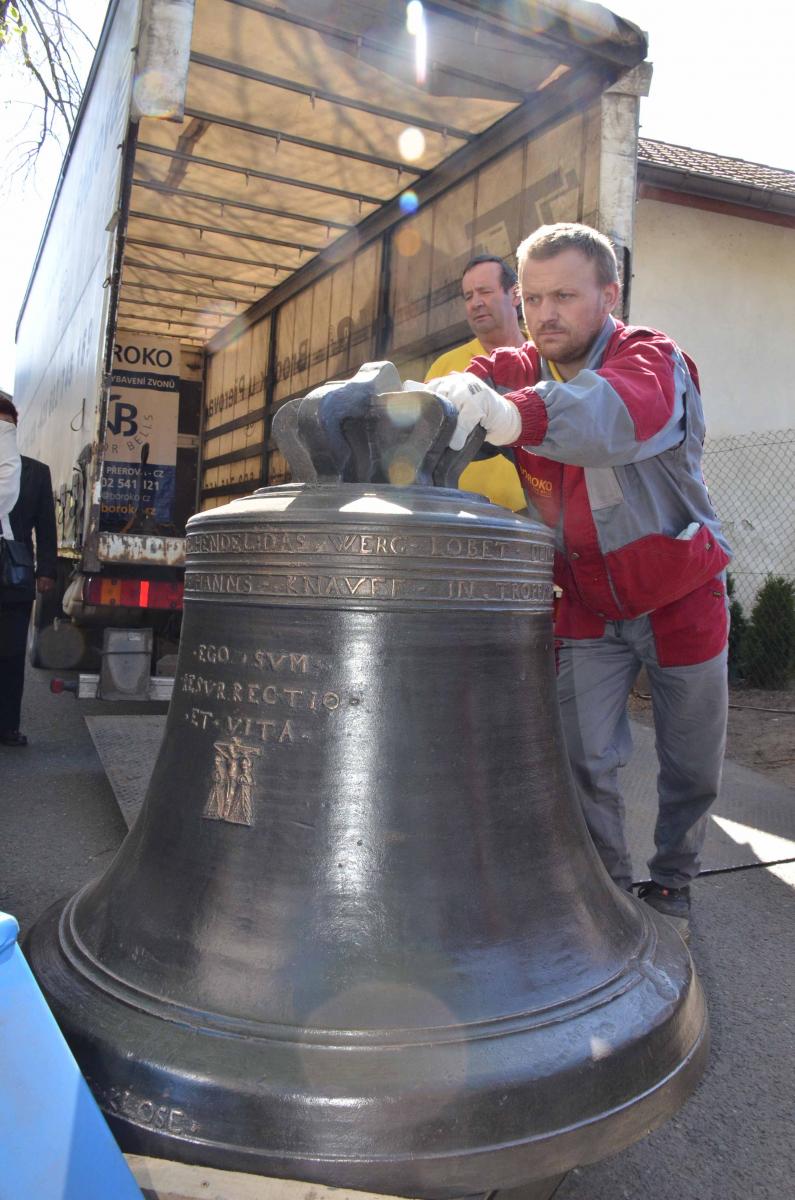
55,71
46,41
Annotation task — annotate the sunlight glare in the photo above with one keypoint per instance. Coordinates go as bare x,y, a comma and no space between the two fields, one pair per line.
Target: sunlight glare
415,24
768,847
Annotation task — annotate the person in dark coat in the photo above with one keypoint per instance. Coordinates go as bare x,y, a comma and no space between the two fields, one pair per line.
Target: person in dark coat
34,512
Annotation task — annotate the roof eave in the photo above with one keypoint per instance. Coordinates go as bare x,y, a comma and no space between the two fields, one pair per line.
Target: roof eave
692,183
608,37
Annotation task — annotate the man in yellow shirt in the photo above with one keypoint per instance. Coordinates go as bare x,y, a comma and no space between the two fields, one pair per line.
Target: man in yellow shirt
488,288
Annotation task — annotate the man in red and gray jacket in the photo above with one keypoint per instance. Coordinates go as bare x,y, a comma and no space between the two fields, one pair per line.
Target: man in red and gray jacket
607,428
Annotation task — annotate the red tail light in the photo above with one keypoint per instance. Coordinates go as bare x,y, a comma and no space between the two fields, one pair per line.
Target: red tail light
132,593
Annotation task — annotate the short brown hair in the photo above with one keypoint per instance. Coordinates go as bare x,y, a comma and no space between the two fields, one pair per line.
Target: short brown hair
7,407
507,274
550,240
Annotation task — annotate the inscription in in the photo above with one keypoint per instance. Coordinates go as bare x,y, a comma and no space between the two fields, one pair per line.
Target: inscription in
370,587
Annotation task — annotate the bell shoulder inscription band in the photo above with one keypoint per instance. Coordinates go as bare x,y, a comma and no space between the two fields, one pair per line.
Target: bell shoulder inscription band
300,546
359,934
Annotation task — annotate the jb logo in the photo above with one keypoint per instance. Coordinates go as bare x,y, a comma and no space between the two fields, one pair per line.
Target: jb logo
123,420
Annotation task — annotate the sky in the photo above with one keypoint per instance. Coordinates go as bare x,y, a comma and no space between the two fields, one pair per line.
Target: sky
722,82
723,75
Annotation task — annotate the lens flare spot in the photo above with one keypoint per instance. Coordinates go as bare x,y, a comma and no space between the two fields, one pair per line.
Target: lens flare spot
150,90
401,472
403,408
411,144
409,202
342,249
408,242
378,1006
234,331
216,309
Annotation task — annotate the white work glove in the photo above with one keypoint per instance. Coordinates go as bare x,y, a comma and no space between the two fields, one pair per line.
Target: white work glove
478,404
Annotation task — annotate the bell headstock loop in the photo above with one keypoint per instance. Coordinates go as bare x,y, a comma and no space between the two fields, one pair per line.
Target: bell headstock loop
352,433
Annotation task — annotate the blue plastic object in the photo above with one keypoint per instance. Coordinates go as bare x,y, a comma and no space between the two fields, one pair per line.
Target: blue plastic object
54,1141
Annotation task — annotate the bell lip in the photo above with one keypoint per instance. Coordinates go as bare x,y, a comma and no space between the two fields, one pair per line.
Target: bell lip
559,1151
639,966
115,1068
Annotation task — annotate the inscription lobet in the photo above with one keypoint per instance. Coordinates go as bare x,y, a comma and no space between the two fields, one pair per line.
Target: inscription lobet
395,545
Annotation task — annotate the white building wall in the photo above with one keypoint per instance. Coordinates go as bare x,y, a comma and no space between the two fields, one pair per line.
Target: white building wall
724,288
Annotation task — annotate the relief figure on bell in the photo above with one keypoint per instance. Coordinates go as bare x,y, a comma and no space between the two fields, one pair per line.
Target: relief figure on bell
240,808
232,783
216,801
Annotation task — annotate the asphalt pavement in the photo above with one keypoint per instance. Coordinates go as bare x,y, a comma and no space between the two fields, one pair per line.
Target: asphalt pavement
60,825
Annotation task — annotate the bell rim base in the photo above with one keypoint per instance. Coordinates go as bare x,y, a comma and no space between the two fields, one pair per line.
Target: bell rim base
473,1174
440,1175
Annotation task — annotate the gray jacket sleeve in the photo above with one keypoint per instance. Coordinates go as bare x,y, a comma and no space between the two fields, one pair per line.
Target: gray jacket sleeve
592,425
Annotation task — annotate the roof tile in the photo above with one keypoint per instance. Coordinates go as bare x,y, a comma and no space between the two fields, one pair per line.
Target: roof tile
715,166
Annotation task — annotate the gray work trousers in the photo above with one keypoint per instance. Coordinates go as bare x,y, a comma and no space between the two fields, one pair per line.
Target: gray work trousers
690,707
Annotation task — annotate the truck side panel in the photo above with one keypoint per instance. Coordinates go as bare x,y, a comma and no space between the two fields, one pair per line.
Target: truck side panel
62,328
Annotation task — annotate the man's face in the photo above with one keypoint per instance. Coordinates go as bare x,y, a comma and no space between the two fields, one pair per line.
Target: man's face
565,305
491,311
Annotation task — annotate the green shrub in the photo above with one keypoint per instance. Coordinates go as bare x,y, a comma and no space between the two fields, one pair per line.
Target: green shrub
737,630
767,656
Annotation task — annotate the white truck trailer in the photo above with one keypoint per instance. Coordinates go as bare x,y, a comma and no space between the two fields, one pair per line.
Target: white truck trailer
260,196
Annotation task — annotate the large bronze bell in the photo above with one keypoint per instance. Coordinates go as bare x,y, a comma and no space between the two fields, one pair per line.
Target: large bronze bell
359,934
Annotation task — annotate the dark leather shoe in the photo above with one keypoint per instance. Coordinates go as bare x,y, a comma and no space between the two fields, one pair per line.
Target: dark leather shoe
674,903
13,738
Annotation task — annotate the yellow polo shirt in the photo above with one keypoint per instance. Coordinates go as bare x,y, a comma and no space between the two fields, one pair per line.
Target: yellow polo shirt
493,477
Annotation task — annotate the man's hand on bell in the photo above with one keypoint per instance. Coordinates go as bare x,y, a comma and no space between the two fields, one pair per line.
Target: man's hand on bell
478,404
